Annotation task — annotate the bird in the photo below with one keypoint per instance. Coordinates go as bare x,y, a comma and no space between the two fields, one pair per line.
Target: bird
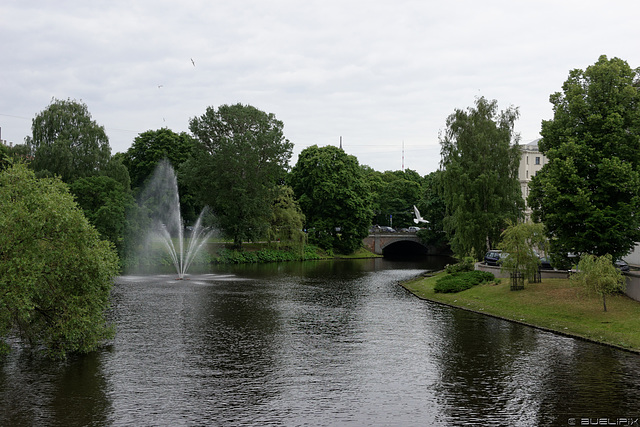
159,86
193,62
418,219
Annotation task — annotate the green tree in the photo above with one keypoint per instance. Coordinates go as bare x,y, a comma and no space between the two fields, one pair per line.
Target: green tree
55,272
241,156
597,274
105,203
287,220
587,194
66,142
521,242
399,192
433,209
151,147
480,183
334,197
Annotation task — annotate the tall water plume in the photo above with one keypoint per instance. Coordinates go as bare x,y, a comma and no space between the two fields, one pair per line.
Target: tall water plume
161,201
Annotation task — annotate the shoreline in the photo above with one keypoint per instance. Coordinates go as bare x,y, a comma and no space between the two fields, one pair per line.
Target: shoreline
488,311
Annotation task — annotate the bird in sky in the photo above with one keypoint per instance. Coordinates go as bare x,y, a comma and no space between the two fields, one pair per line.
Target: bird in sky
418,219
193,62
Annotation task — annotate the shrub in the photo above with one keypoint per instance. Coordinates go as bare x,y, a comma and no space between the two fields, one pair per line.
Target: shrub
465,265
462,281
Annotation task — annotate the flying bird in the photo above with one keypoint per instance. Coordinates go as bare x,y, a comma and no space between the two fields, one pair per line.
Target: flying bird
193,62
159,86
418,219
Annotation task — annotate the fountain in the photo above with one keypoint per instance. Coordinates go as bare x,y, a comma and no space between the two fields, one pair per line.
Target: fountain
161,201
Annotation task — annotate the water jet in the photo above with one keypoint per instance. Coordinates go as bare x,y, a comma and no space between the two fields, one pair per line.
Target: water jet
161,200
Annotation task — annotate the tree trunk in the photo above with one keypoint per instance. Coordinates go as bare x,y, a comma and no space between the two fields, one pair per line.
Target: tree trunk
604,302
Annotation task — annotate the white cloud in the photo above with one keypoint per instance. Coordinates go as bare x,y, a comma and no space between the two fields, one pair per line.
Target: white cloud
376,73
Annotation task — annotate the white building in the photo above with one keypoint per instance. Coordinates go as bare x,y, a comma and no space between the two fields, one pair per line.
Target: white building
531,162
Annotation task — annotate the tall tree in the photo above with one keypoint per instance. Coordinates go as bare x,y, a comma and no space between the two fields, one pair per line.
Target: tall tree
105,203
481,191
241,156
396,197
151,147
287,221
66,142
588,193
433,209
55,272
334,197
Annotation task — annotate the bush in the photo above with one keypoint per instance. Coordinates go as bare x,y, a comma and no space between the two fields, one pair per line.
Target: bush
462,281
465,265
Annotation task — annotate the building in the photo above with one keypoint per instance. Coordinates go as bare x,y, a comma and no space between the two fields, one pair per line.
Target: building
531,161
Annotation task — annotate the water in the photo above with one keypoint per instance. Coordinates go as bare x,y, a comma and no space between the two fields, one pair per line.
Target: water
317,343
161,201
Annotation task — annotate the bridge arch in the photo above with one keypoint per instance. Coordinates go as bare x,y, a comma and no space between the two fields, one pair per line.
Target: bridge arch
398,244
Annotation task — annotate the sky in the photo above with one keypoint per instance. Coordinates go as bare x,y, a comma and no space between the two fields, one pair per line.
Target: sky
383,76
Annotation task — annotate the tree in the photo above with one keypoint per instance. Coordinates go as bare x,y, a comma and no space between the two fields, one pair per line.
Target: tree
151,147
105,203
433,209
587,194
520,242
65,141
241,156
287,220
55,272
399,192
334,197
480,183
600,276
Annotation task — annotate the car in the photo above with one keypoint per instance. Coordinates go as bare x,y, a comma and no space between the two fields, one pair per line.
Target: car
621,265
414,229
545,263
494,257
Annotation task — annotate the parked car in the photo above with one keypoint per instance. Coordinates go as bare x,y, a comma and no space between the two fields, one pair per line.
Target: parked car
494,257
621,265
545,263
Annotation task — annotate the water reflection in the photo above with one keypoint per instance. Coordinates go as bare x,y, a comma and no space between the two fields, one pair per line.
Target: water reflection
319,343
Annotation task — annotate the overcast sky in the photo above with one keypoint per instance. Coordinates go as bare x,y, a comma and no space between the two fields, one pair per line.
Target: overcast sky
379,74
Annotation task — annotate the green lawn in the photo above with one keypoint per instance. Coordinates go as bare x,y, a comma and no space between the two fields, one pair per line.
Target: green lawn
553,304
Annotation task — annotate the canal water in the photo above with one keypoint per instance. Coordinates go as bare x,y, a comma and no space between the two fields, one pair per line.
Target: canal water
315,344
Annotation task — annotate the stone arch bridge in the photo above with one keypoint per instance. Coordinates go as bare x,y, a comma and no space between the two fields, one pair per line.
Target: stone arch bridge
396,243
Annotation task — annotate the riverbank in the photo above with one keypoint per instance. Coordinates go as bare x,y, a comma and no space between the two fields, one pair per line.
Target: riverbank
554,305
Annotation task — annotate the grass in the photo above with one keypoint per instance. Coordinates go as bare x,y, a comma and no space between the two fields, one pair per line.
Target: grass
553,304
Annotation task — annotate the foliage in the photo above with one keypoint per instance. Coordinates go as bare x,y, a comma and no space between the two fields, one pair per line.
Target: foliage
334,198
287,221
467,264
55,272
520,242
66,142
480,184
599,275
230,256
105,203
458,282
151,147
587,194
394,196
433,209
241,156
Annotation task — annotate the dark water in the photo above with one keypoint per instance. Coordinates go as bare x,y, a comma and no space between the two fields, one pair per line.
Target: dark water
323,343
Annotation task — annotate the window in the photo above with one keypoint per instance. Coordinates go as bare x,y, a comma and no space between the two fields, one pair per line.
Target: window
537,160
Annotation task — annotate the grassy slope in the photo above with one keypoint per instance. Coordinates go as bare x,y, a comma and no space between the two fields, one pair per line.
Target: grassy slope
553,304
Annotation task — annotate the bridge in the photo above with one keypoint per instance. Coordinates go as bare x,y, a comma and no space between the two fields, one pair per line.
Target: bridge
396,243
